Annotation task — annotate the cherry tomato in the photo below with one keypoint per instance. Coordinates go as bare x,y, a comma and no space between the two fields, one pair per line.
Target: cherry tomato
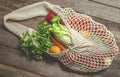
50,16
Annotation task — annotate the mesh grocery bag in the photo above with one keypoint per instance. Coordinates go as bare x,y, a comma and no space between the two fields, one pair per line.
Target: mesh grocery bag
94,46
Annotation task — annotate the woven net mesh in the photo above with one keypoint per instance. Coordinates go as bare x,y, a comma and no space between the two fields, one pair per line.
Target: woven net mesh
94,46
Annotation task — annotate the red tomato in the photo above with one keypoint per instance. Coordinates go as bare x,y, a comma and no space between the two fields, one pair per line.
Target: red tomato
49,16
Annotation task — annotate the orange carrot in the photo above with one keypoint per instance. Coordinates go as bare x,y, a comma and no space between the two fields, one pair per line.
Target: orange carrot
58,44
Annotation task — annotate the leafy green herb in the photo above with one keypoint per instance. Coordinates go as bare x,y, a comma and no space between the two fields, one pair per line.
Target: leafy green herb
37,43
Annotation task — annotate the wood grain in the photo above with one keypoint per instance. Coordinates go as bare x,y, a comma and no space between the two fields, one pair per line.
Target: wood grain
84,6
111,3
13,63
3,12
15,72
8,39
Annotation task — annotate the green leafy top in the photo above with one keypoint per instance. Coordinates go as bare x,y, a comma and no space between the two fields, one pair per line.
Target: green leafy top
37,43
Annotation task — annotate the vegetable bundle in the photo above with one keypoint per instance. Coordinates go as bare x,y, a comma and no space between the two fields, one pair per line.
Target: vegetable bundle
50,37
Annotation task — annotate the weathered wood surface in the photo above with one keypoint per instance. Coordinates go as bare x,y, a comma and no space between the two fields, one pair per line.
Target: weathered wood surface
111,3
15,64
90,7
48,68
15,72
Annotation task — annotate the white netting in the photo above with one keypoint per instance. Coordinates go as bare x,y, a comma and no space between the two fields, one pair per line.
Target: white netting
94,46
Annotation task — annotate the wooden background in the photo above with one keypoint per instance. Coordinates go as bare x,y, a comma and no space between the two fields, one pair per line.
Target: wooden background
14,64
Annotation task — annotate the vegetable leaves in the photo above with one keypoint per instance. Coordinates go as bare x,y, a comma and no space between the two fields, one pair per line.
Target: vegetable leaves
37,43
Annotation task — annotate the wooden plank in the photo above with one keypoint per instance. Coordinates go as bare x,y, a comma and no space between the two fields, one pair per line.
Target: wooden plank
8,71
15,4
9,4
111,3
8,39
84,6
50,67
3,11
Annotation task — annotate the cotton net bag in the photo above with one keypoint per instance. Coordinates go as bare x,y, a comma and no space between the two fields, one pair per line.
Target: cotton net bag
94,46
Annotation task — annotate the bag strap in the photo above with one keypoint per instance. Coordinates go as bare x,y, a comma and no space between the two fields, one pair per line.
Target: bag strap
27,12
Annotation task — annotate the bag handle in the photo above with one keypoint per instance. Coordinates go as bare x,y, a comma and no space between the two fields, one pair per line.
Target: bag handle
27,12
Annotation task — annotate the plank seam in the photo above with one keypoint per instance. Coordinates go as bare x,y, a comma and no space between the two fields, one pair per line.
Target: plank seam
17,70
104,4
